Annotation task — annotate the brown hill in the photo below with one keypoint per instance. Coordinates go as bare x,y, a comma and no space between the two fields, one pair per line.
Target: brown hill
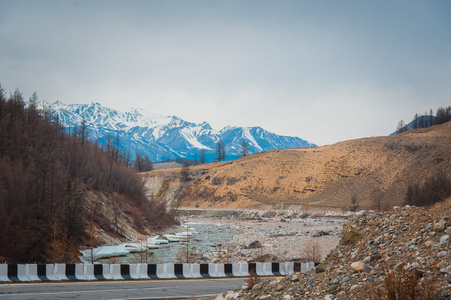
324,176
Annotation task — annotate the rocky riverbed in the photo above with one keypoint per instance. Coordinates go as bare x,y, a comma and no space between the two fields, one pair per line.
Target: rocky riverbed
404,252
272,239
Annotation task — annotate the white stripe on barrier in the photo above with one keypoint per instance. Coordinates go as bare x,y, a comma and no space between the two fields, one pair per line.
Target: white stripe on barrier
220,271
22,273
169,271
195,271
32,272
244,269
106,270
161,273
259,269
89,272
134,274
50,272
60,271
186,270
141,271
267,269
115,271
4,272
212,270
80,271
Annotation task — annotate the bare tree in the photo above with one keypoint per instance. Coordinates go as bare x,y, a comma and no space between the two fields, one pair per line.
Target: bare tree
184,172
220,151
376,198
354,203
401,127
244,151
202,156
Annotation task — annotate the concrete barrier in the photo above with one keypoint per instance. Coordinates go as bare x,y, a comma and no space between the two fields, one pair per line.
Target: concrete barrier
195,271
141,271
88,272
32,272
22,273
220,270
169,271
152,271
125,271
58,272
275,269
182,271
161,271
115,271
106,268
4,273
228,270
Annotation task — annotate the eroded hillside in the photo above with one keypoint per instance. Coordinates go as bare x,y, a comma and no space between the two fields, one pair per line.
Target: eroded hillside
325,176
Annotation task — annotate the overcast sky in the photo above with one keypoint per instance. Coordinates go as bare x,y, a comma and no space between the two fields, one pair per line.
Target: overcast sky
325,71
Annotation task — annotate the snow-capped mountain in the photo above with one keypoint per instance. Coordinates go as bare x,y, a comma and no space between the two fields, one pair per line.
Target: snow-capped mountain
166,137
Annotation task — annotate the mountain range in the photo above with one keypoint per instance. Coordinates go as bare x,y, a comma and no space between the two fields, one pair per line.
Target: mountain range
166,137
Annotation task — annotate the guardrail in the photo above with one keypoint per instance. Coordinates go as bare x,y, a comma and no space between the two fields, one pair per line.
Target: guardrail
73,272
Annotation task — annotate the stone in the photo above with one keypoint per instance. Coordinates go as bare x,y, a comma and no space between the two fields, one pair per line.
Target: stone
360,266
361,213
444,240
287,297
441,254
221,297
319,269
354,287
245,287
440,226
332,288
428,243
254,245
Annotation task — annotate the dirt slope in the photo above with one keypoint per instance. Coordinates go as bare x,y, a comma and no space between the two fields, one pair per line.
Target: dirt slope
323,176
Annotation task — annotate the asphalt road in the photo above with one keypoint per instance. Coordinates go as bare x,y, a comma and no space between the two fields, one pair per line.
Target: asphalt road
115,290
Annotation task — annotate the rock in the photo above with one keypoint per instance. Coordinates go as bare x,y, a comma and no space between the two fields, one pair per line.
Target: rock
428,243
245,287
254,245
441,254
440,226
332,288
287,297
354,287
361,213
319,269
360,266
221,297
444,240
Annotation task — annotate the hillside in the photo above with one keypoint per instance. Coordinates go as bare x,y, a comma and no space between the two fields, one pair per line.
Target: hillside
401,254
325,176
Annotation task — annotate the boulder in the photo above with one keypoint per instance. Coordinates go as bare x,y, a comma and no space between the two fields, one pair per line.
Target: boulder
360,266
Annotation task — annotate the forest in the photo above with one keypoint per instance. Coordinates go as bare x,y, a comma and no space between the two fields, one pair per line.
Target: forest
45,177
442,116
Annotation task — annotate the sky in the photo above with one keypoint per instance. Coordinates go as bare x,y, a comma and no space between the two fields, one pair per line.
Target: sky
324,71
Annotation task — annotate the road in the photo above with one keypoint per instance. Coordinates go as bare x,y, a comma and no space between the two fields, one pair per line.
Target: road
118,290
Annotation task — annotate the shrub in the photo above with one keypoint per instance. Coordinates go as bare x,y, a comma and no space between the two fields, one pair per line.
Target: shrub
433,190
407,284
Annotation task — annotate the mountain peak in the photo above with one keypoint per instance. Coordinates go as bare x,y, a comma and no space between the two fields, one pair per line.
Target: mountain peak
168,137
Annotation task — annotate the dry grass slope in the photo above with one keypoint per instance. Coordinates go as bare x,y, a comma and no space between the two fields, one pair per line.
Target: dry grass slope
324,176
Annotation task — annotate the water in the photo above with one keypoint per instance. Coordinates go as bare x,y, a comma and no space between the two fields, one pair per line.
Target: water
207,238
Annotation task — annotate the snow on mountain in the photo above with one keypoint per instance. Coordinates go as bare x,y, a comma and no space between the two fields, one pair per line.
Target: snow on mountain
166,137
